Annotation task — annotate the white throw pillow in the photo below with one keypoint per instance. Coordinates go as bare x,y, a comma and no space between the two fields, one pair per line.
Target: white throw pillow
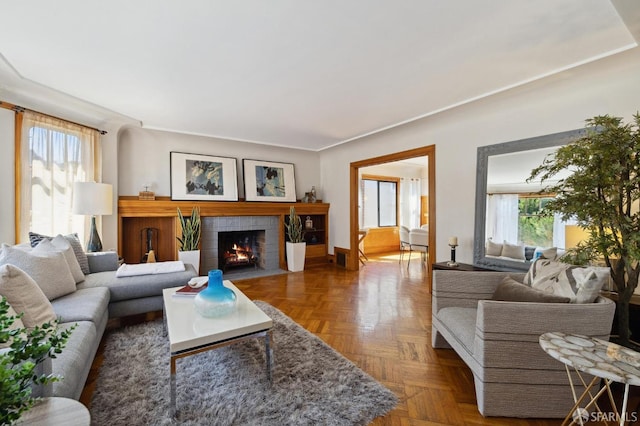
49,270
513,251
81,256
581,284
494,249
24,296
60,244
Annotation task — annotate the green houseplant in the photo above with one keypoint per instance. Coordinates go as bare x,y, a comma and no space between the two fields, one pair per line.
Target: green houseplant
27,348
189,241
603,194
295,246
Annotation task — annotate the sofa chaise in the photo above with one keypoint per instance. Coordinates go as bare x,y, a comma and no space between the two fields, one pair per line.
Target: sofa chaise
498,340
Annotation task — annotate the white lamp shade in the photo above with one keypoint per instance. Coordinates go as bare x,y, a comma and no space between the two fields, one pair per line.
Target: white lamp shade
91,198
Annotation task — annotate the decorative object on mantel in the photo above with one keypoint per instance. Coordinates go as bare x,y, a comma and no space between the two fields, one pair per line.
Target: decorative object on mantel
334,390
296,246
146,195
216,300
203,177
188,248
453,243
269,181
611,218
308,224
310,197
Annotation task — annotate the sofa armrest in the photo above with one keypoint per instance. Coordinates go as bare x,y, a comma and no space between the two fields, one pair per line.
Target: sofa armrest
507,333
591,319
465,288
103,261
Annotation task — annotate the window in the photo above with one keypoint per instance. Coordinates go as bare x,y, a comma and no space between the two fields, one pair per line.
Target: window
534,229
53,155
379,200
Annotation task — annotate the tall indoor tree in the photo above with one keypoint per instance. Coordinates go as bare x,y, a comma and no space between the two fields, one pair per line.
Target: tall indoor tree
602,193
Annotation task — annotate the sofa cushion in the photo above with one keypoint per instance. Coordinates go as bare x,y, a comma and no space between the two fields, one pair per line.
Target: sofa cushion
461,322
48,269
580,284
74,241
87,304
510,290
24,296
127,288
75,360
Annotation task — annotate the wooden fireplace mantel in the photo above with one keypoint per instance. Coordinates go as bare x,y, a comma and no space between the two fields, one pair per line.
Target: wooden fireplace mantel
162,213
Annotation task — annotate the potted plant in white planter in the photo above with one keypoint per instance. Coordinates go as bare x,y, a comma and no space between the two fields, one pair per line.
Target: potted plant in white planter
296,247
23,349
188,251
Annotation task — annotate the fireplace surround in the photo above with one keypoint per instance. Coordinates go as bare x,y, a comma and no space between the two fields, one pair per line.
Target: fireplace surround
134,215
265,247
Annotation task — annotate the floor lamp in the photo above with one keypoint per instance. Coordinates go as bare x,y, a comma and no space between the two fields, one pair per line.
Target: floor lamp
94,199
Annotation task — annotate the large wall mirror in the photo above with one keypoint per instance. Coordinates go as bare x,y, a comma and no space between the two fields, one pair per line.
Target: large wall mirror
507,233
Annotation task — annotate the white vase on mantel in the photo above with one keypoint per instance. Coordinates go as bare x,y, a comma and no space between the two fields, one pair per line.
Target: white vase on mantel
191,257
295,256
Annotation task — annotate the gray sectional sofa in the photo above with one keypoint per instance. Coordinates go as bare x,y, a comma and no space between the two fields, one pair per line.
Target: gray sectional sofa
498,340
99,297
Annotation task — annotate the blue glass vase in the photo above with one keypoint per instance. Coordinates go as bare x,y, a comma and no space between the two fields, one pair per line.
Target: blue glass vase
216,300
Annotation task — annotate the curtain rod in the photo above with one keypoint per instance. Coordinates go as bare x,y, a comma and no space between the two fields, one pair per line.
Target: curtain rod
18,108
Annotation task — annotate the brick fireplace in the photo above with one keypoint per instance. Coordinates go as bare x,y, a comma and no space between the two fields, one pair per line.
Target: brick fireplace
265,246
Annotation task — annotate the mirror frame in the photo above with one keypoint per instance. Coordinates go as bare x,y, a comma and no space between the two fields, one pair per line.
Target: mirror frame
484,152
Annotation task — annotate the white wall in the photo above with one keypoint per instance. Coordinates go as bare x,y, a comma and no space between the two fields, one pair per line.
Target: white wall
7,176
143,156
557,103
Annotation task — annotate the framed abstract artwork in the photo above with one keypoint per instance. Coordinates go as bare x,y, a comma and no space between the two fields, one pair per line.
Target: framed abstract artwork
269,181
203,177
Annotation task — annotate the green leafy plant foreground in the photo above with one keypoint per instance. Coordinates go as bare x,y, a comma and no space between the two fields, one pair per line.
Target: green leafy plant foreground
29,347
190,238
603,194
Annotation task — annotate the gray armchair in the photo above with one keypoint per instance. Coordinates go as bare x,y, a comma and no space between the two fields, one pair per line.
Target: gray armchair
498,341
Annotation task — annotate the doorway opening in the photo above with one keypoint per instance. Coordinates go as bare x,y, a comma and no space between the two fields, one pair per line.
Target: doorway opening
427,208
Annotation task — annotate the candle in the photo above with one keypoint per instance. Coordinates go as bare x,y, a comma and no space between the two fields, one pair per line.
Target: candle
453,241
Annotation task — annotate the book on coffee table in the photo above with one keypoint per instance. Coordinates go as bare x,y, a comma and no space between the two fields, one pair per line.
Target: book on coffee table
188,291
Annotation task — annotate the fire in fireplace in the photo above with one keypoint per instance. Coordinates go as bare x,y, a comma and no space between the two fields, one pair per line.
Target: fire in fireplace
238,249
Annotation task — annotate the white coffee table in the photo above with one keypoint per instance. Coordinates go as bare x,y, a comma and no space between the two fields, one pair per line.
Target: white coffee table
190,333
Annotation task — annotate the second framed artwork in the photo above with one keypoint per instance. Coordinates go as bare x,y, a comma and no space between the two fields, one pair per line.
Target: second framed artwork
269,181
203,177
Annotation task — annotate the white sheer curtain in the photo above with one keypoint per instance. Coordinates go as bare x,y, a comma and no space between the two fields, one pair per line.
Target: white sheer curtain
502,218
53,154
410,202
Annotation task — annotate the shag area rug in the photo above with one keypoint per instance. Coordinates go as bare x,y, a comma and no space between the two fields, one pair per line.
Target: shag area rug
312,383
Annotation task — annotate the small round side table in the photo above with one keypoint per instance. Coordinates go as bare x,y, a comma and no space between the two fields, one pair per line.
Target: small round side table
599,358
56,411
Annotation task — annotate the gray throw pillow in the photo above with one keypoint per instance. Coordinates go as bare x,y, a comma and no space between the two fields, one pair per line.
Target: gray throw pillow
510,290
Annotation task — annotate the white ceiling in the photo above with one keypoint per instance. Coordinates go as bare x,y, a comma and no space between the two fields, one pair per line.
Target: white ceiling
307,74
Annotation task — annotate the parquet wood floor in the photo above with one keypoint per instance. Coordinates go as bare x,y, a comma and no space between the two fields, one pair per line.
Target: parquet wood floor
379,318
